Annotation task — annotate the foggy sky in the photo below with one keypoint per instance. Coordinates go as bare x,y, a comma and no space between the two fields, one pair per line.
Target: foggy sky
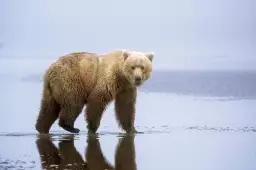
181,30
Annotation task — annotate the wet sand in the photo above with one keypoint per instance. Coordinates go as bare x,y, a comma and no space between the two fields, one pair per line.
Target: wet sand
189,119
178,149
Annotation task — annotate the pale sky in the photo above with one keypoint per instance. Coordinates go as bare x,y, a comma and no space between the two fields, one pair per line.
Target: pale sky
177,31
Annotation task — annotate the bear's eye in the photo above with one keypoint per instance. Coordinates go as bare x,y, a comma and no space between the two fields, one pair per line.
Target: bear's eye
142,67
133,67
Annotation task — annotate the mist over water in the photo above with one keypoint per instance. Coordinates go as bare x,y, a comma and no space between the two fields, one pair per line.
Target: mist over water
197,111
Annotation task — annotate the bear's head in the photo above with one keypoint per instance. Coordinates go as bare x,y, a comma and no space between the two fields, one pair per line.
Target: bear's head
137,66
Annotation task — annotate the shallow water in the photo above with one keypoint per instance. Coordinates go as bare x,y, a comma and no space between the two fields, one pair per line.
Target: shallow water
189,119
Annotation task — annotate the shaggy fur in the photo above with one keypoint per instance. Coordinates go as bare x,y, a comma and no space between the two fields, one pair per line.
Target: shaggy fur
93,80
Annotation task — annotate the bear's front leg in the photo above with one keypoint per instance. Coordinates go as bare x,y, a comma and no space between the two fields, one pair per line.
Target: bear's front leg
95,107
125,109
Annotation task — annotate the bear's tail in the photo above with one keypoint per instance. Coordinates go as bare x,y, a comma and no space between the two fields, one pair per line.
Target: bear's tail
49,110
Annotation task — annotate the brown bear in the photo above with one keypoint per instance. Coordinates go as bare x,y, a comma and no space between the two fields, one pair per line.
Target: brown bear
94,80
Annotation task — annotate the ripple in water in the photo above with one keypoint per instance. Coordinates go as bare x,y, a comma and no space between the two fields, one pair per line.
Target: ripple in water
16,164
55,135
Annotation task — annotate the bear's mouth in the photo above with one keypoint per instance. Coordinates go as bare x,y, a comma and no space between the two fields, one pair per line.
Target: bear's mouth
137,83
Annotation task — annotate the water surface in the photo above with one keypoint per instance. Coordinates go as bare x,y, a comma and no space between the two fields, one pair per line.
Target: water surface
189,119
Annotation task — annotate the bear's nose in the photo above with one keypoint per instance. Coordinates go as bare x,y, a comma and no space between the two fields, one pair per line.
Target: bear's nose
137,79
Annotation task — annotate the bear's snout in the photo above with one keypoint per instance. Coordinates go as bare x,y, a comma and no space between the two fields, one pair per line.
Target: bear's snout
137,80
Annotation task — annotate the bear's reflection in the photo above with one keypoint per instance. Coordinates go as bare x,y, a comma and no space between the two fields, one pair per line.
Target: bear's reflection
67,157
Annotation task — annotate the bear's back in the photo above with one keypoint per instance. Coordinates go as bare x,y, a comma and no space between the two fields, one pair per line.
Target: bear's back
73,59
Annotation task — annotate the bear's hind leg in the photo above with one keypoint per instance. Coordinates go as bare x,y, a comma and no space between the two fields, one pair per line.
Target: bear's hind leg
48,114
67,117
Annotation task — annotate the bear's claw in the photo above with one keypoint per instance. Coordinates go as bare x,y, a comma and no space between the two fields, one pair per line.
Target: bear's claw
134,131
71,129
67,127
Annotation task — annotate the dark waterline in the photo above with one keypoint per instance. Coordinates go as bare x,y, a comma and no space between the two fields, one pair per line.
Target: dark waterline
237,84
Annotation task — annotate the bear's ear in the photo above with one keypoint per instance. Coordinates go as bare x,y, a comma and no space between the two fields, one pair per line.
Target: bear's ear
126,54
150,56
